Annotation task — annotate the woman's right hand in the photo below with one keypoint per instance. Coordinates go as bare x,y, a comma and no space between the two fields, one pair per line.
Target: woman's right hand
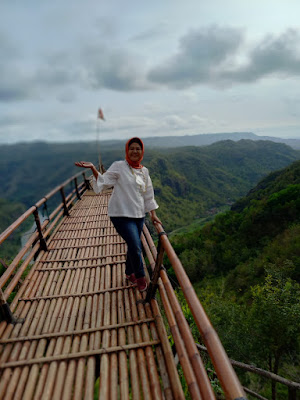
84,164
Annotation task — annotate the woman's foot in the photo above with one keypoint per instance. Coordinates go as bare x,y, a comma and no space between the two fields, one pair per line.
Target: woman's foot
131,278
142,284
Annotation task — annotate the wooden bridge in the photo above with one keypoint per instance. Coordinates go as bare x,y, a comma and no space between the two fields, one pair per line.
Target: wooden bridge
75,329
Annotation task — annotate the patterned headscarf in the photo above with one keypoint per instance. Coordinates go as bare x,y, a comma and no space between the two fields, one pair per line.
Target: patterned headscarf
134,164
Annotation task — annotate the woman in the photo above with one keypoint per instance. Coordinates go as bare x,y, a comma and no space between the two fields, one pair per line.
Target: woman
132,198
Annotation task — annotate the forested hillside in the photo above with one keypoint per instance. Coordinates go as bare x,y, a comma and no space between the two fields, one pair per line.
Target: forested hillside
199,180
245,266
196,181
193,179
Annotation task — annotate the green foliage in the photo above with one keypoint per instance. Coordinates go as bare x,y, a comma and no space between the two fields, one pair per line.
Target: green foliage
192,180
9,212
274,318
235,241
245,266
264,332
272,183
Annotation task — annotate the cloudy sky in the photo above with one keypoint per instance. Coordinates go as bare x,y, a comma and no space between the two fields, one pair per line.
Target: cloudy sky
156,68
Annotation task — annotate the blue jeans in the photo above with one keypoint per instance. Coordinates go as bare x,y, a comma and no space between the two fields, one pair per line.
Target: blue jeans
130,230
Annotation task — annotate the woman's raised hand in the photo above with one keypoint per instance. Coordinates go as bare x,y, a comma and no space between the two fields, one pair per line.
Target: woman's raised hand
84,164
87,164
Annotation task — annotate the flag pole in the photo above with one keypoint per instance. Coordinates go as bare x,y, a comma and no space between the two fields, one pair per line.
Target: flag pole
98,145
99,116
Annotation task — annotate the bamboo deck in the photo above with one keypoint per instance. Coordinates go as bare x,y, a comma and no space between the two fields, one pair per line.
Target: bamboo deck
85,336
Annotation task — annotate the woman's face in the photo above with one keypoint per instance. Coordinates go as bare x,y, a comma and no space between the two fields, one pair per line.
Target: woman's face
134,151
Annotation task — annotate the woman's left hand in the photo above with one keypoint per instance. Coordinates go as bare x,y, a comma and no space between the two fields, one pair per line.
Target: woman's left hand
155,218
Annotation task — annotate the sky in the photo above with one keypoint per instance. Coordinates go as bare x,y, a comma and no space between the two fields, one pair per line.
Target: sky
159,68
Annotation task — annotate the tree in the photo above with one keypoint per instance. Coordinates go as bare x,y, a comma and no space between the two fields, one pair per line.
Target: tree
274,319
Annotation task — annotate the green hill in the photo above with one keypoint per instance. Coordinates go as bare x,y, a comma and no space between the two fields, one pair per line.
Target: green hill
215,173
245,267
269,212
197,182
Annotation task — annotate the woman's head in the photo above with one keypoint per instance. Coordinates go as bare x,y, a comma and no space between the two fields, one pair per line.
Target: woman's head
134,152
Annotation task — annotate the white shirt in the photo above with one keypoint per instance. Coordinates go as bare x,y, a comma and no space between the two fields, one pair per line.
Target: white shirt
133,194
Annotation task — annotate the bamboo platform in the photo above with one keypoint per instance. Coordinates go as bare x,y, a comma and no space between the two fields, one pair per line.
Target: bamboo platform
85,334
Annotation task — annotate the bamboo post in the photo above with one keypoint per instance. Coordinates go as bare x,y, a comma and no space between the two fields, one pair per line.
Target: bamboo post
155,276
66,211
20,281
43,243
86,182
292,393
76,188
5,312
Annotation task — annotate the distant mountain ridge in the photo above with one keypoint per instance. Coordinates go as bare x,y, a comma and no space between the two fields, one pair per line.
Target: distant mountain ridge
210,138
203,140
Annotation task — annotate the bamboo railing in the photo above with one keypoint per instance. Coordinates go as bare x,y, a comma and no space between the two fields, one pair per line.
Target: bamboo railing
293,387
86,332
194,369
37,241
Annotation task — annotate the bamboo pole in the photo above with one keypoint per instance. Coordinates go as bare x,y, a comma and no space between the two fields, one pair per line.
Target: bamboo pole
114,363
133,363
83,341
91,362
170,384
73,333
123,370
78,258
225,372
151,363
30,211
52,323
185,333
79,294
27,324
259,371
61,322
8,231
104,361
187,368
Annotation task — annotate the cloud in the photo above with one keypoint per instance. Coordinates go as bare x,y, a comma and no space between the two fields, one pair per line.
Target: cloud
212,56
55,70
173,122
273,56
292,105
67,96
156,31
8,120
93,68
215,56
199,57
8,49
114,69
12,85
